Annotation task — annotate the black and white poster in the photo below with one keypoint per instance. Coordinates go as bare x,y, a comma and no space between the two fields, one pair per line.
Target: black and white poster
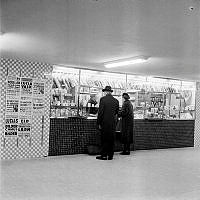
24,98
26,86
11,125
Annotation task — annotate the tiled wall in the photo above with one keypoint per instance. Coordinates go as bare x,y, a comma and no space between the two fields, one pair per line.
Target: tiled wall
197,121
71,136
164,134
37,145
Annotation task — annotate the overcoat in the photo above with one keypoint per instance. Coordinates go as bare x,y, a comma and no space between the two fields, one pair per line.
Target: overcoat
107,114
127,122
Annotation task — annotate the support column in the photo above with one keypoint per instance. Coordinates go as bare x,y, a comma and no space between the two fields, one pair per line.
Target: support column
197,120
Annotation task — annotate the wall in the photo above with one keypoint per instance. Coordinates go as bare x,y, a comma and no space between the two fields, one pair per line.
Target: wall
197,121
37,145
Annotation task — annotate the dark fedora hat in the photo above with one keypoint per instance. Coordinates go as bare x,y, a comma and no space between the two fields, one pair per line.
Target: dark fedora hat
107,88
126,96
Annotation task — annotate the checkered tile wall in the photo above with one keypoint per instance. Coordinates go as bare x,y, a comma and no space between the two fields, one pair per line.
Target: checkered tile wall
197,121
38,144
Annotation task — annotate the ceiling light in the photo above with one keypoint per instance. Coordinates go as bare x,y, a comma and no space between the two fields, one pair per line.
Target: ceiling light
125,62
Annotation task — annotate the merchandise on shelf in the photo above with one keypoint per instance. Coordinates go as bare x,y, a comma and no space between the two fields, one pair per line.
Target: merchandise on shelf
152,98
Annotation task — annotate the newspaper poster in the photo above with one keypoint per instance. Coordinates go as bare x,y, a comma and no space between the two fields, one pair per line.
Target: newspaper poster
24,126
38,88
25,106
12,106
13,87
24,97
38,106
11,126
26,86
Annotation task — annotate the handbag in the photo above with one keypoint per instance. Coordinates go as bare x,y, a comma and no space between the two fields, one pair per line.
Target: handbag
118,125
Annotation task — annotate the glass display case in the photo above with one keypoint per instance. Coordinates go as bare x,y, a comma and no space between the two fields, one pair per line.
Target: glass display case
64,99
77,92
159,98
91,85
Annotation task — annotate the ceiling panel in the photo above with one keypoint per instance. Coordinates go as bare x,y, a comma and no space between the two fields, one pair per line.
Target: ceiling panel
88,33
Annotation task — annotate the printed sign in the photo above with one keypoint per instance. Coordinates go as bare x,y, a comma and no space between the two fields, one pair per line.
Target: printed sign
12,106
38,97
24,97
24,126
38,106
38,88
11,125
26,86
13,87
25,106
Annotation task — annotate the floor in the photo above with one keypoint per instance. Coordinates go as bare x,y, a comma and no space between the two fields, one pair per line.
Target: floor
170,174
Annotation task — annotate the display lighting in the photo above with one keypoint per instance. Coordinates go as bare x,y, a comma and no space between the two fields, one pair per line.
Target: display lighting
63,69
125,62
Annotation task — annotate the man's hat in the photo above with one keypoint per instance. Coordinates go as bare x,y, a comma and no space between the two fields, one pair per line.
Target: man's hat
126,96
107,88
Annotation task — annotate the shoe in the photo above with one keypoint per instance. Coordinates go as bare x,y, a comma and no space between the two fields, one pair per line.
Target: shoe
110,157
125,153
101,157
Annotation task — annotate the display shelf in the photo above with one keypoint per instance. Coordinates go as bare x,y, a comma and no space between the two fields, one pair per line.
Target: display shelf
85,93
91,86
61,107
154,119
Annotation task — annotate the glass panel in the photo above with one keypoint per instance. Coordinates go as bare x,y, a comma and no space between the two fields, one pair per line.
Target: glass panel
172,106
136,87
78,92
188,100
154,105
91,85
64,89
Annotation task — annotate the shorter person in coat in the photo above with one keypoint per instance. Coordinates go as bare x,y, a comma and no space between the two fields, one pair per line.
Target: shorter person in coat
127,116
90,106
106,122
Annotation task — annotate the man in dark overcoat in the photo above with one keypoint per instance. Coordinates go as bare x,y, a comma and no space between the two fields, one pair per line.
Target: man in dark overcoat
106,122
127,123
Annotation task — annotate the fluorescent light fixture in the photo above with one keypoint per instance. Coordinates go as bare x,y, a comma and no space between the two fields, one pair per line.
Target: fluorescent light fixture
124,62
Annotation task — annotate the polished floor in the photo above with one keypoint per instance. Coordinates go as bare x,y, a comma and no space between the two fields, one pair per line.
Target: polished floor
170,174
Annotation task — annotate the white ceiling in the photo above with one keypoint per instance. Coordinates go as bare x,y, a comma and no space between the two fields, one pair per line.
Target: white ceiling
87,33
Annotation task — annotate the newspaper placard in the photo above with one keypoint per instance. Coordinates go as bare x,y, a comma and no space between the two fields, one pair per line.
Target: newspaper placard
26,86
12,106
38,97
24,126
38,88
13,87
25,106
38,106
24,97
11,126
